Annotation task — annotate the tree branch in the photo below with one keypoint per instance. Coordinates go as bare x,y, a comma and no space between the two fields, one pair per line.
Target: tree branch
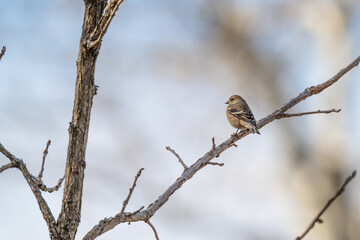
287,115
177,156
216,164
7,166
330,201
126,201
305,94
101,28
45,153
45,210
39,180
154,229
109,223
44,188
2,53
216,151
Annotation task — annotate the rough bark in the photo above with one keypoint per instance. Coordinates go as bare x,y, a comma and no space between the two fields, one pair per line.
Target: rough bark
69,217
98,15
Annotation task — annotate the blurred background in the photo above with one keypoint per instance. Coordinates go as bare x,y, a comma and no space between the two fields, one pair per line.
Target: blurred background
164,72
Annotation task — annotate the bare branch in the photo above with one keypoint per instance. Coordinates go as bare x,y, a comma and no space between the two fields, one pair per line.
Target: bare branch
189,172
44,188
287,115
45,210
2,52
215,164
131,190
39,181
213,144
45,153
177,156
213,147
109,223
136,212
200,163
7,166
7,153
101,28
330,201
305,94
153,228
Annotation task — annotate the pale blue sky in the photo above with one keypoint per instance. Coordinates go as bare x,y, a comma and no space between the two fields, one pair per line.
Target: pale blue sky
148,99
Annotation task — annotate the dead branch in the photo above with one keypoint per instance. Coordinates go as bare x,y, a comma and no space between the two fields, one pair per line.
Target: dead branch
153,228
287,115
45,153
131,190
94,27
216,164
2,53
39,180
97,18
177,156
305,94
101,28
44,188
7,166
213,144
330,201
44,208
146,214
109,223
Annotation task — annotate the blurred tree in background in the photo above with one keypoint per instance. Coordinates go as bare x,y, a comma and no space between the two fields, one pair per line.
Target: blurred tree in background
165,71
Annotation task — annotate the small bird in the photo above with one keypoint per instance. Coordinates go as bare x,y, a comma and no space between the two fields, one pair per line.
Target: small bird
239,114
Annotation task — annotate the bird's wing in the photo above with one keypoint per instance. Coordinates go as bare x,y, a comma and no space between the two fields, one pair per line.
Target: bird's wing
242,115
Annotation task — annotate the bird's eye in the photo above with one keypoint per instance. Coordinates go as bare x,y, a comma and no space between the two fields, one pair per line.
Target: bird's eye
231,99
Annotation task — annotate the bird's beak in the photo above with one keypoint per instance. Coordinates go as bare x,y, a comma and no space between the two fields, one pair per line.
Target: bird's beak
227,102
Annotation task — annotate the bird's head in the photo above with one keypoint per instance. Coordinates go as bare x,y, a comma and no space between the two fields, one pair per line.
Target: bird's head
234,99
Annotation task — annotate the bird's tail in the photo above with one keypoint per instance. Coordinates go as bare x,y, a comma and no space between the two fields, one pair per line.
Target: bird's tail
255,130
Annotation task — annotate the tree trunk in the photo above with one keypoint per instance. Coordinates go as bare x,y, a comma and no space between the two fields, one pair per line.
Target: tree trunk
69,217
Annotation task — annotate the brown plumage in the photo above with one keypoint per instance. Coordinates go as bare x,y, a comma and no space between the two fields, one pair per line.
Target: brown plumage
240,115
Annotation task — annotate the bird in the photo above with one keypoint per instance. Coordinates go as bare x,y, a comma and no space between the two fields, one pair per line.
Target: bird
240,115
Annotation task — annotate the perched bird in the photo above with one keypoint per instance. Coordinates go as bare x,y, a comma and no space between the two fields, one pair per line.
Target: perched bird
239,114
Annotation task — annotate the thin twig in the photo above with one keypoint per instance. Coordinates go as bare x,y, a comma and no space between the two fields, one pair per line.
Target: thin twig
213,144
137,211
31,180
213,147
308,92
153,228
7,153
330,201
144,215
287,115
177,156
109,223
44,188
7,166
201,162
216,164
2,52
45,153
126,201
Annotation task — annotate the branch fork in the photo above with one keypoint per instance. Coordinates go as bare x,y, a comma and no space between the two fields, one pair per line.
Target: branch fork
177,156
98,16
